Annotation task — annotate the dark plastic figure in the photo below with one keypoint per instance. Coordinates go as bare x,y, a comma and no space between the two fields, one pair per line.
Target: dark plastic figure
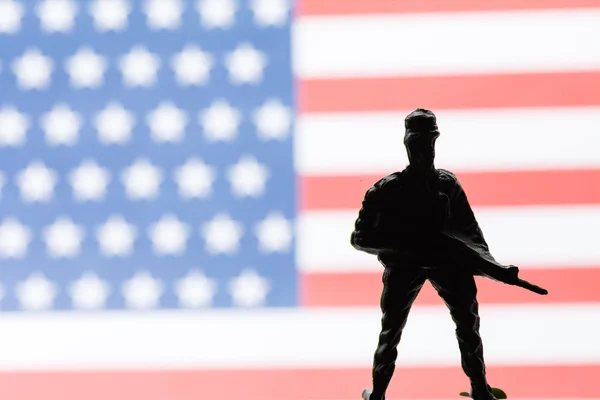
420,225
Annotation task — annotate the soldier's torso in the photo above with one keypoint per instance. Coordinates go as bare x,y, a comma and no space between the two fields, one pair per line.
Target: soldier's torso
420,205
411,199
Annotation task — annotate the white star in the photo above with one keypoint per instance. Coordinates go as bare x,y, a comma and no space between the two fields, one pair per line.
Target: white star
273,120
114,124
139,67
63,238
274,234
61,125
142,180
167,122
222,234
86,68
220,121
14,239
163,14
89,181
33,70
169,236
13,127
36,292
248,177
89,291
195,290
116,237
57,15
217,13
36,182
245,64
192,66
249,289
11,12
142,291
110,15
195,179
270,12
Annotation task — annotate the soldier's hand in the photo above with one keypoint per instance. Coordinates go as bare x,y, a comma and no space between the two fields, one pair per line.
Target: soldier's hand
513,272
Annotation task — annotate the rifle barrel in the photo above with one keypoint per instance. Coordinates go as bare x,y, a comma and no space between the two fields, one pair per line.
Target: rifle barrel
530,286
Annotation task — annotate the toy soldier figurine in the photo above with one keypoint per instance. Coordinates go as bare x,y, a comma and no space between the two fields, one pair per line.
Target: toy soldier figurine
420,225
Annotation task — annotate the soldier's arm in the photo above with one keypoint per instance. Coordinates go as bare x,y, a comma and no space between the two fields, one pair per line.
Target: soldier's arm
368,235
462,215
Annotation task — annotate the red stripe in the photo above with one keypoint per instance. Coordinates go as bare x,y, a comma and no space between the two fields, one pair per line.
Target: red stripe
568,285
354,7
332,384
449,92
511,188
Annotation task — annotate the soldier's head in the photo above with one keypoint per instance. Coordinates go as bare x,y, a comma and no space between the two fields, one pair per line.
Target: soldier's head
420,136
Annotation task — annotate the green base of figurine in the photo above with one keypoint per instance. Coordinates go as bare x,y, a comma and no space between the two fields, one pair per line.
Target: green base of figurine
498,393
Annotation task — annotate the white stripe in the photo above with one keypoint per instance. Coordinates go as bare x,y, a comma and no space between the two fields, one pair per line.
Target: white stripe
445,43
523,236
470,141
289,338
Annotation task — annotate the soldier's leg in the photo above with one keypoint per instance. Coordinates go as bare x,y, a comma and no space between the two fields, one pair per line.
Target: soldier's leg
400,289
458,290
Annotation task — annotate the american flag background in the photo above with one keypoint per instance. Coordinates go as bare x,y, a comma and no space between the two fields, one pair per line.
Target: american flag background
179,181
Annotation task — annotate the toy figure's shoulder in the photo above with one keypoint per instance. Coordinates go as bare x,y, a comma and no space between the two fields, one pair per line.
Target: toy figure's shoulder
389,181
447,176
449,183
385,188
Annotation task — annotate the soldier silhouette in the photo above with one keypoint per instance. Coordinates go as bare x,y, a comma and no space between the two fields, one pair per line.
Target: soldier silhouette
420,225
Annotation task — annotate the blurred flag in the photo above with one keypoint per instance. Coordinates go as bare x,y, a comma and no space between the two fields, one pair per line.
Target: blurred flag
180,180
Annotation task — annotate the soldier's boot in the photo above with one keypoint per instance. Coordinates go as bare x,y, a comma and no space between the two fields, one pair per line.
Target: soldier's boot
368,394
482,392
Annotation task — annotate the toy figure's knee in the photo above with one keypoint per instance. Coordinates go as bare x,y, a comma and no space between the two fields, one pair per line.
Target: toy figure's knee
465,318
386,354
391,329
467,323
389,338
468,330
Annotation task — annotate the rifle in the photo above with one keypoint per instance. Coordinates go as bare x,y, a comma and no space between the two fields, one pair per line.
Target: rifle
484,264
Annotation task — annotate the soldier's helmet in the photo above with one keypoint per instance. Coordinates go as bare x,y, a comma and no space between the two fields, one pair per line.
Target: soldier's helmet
421,121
